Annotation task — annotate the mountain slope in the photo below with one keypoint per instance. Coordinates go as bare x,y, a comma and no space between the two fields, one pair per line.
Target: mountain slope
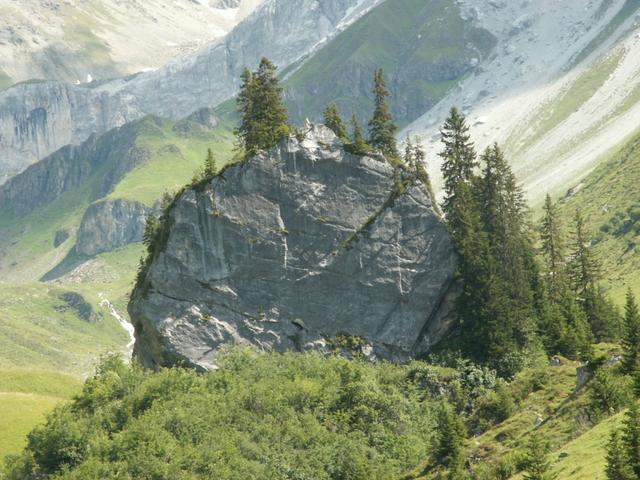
38,118
609,199
561,90
78,38
425,48
135,163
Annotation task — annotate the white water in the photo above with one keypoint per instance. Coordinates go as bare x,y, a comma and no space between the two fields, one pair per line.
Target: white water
128,327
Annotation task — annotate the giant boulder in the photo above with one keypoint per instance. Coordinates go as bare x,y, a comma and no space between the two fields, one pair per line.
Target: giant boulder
292,249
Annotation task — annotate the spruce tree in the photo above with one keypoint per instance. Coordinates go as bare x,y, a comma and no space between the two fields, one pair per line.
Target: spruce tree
450,435
585,273
618,467
246,132
553,249
333,120
419,159
578,340
631,337
504,219
458,163
584,269
358,145
631,438
210,168
382,129
262,110
538,468
409,155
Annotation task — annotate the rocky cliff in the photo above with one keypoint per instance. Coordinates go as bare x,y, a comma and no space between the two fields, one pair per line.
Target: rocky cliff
115,153
294,249
38,118
107,225
74,39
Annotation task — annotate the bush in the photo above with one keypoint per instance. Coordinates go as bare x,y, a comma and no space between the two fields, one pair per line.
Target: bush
609,393
494,407
267,416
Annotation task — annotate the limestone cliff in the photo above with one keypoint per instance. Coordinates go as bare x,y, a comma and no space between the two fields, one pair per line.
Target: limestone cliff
109,224
38,118
291,249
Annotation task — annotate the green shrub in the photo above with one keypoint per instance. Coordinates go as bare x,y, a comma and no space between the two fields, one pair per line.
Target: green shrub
609,393
266,416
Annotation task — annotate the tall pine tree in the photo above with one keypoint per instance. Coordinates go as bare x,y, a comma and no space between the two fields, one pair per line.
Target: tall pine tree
358,145
262,110
333,120
585,273
631,337
419,158
450,435
458,164
631,438
553,249
210,168
618,466
538,467
382,129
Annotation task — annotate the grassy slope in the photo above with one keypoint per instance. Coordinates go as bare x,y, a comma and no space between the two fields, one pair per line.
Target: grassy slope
34,332
173,159
39,331
578,448
31,308
26,396
611,189
409,39
552,113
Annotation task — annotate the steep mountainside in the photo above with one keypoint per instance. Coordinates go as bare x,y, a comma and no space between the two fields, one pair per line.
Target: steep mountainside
296,248
609,199
425,48
77,39
561,89
42,209
37,119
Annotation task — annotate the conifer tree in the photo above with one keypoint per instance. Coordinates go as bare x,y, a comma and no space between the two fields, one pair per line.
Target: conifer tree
262,110
584,272
458,163
618,467
584,269
246,132
382,129
333,120
631,438
450,435
210,168
578,339
504,219
409,155
419,158
553,249
358,144
631,337
538,468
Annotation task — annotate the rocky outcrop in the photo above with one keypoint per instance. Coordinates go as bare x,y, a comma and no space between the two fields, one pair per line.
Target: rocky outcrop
110,224
290,250
38,118
115,153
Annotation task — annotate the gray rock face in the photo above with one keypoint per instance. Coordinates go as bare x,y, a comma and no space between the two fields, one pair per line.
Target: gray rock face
108,225
38,118
297,245
116,152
